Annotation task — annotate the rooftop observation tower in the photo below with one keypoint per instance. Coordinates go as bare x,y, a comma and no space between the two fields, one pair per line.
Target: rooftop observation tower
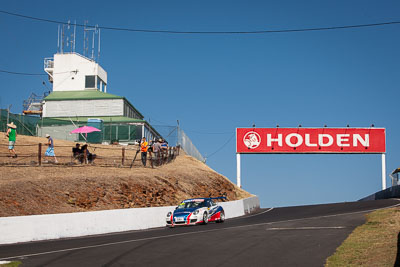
74,72
79,96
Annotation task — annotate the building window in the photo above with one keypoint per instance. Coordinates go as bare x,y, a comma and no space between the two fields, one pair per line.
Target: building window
90,81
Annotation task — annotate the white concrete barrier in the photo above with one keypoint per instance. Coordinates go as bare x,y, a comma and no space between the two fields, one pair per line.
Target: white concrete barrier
233,208
53,226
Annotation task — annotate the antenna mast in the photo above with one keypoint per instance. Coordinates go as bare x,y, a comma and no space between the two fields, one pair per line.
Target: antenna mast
98,48
58,39
64,35
95,31
68,37
84,38
62,38
74,36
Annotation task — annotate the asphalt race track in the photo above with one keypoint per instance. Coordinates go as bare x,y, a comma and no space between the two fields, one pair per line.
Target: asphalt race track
292,236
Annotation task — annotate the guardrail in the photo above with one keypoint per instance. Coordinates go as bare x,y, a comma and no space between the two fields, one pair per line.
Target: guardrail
54,226
48,62
391,192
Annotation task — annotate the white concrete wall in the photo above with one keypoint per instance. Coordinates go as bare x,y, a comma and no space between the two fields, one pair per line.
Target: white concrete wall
102,74
73,108
233,208
251,204
64,78
54,226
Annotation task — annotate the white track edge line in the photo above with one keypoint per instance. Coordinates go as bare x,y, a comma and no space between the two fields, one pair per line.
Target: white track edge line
305,228
265,211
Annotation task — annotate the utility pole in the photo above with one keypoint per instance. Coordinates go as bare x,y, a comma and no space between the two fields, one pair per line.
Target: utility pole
177,133
8,114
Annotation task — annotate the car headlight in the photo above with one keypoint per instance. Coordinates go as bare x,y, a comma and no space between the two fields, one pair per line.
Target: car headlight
195,212
169,214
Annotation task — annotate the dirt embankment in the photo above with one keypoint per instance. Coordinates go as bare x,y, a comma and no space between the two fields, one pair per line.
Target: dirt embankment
47,189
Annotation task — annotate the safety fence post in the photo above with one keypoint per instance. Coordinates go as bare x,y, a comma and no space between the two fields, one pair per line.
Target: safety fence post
123,156
151,159
40,154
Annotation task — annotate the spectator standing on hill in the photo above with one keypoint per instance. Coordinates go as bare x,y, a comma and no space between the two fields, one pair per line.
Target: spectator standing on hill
12,136
164,145
150,146
50,148
143,148
157,147
157,151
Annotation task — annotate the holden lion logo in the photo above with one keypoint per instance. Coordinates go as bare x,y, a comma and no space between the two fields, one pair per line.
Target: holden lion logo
252,140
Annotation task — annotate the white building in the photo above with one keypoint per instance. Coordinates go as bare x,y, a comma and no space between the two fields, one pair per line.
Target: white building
80,95
74,72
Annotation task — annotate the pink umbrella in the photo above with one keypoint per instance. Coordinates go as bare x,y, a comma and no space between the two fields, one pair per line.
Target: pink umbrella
86,129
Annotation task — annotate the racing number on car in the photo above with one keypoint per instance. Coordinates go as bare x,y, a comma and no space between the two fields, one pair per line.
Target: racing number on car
211,209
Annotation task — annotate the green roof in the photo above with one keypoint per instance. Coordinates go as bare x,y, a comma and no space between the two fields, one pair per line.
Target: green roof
109,119
80,95
53,121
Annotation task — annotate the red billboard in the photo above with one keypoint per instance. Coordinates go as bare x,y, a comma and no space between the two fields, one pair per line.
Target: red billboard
310,140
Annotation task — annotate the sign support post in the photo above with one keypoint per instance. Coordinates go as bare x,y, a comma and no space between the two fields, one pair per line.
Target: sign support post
383,171
238,182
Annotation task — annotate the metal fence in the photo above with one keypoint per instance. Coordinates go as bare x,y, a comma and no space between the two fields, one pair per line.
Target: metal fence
33,126
395,177
99,155
26,125
176,136
110,133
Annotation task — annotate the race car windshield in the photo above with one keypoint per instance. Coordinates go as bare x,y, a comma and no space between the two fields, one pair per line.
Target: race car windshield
189,205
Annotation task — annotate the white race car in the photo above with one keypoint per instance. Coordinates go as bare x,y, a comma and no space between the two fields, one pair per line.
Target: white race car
196,211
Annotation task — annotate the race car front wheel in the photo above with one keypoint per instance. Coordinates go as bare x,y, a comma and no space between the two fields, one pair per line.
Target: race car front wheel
205,218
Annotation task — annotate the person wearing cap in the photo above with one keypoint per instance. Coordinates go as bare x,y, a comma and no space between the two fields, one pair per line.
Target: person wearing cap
50,148
164,144
157,151
12,135
143,148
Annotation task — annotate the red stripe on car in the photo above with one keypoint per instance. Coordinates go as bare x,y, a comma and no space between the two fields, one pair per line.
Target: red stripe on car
215,216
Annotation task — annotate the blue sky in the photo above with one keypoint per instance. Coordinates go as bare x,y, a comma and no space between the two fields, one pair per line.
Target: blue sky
215,83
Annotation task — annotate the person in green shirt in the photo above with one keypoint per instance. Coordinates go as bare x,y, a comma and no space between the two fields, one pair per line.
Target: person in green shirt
12,135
